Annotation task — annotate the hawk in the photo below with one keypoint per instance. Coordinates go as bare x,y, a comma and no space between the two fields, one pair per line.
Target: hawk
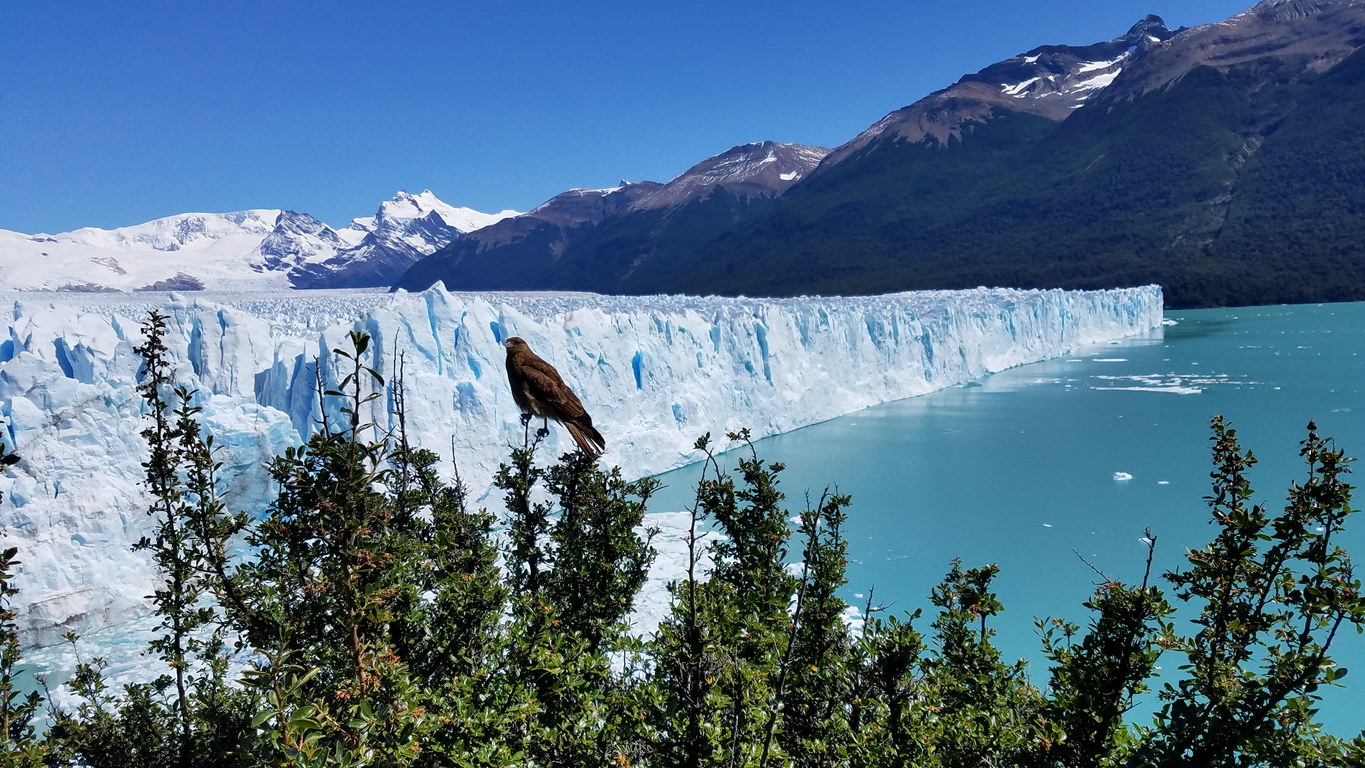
538,390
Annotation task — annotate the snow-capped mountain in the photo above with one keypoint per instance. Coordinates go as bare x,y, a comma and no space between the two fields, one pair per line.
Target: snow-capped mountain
404,208
297,239
382,247
242,250
192,250
659,371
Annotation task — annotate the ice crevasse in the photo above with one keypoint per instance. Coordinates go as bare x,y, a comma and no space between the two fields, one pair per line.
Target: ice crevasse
655,372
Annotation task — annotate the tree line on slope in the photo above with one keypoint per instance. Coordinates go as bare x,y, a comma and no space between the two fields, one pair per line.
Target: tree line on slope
379,620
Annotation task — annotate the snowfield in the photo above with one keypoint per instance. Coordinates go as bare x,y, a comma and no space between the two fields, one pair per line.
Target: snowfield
655,372
254,250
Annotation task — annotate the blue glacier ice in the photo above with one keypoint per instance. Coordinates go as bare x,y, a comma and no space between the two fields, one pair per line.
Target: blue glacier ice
656,372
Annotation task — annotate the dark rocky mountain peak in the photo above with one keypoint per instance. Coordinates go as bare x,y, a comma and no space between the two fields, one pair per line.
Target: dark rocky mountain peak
1050,81
566,210
1305,34
295,238
1150,25
757,169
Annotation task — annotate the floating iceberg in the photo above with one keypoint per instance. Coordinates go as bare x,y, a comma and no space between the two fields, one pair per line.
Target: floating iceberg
656,372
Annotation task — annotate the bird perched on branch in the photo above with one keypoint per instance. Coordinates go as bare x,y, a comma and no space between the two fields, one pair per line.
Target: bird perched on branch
539,390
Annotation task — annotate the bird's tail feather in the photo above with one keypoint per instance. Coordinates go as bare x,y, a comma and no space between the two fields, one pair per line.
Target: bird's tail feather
587,437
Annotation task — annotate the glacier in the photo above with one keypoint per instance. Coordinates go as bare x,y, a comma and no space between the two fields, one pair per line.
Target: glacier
655,372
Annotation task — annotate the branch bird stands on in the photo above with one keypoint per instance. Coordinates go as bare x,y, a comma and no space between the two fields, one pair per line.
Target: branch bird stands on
539,390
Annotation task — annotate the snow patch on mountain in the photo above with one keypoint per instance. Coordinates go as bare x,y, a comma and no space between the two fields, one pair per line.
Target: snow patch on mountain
1018,88
1091,66
656,372
1092,84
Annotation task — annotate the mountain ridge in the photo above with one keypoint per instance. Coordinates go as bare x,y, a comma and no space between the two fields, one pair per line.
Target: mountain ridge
594,239
1049,80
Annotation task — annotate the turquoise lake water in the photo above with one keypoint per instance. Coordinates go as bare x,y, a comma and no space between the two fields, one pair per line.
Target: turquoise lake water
1019,469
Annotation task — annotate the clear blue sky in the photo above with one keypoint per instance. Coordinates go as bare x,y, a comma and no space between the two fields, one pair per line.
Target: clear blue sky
112,114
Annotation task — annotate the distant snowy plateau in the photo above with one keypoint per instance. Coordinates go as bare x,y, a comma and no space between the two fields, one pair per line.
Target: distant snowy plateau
655,372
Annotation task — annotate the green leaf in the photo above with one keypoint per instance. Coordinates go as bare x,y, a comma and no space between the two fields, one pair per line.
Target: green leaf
303,720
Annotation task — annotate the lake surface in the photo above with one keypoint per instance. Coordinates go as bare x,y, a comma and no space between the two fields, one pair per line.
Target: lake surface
1031,467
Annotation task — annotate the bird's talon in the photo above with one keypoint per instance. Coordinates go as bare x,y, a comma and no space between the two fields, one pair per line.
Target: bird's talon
542,432
525,419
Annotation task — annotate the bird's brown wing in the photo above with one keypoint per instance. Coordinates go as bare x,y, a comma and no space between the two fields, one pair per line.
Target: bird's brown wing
542,385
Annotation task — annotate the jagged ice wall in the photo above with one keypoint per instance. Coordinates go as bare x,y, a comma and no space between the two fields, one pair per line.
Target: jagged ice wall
655,372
